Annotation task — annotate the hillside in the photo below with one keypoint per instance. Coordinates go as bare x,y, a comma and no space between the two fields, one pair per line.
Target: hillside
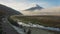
7,11
5,25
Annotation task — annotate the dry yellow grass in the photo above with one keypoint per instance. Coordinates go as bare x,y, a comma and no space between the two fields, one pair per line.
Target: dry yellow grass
52,21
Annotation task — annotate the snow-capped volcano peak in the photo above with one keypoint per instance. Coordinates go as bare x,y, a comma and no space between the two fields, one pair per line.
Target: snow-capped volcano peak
34,7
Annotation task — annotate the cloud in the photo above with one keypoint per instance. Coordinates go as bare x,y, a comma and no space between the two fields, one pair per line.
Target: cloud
21,4
14,4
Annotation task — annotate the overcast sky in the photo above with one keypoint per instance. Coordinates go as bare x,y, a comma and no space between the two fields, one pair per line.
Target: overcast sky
24,4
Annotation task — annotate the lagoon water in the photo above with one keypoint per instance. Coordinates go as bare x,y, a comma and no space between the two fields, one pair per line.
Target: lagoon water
38,29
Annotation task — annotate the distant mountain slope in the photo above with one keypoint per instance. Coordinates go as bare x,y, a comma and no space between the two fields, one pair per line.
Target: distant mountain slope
36,7
47,11
7,10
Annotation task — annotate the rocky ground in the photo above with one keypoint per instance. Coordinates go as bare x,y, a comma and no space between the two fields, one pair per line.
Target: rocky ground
6,28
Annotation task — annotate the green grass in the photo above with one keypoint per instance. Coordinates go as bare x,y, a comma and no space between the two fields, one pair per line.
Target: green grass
12,21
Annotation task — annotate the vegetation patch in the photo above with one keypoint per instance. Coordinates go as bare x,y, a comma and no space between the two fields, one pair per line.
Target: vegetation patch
50,21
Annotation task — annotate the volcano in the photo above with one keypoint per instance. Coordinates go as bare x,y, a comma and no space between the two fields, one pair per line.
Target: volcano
35,7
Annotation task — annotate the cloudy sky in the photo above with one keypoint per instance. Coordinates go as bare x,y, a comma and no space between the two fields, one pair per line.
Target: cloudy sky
24,4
